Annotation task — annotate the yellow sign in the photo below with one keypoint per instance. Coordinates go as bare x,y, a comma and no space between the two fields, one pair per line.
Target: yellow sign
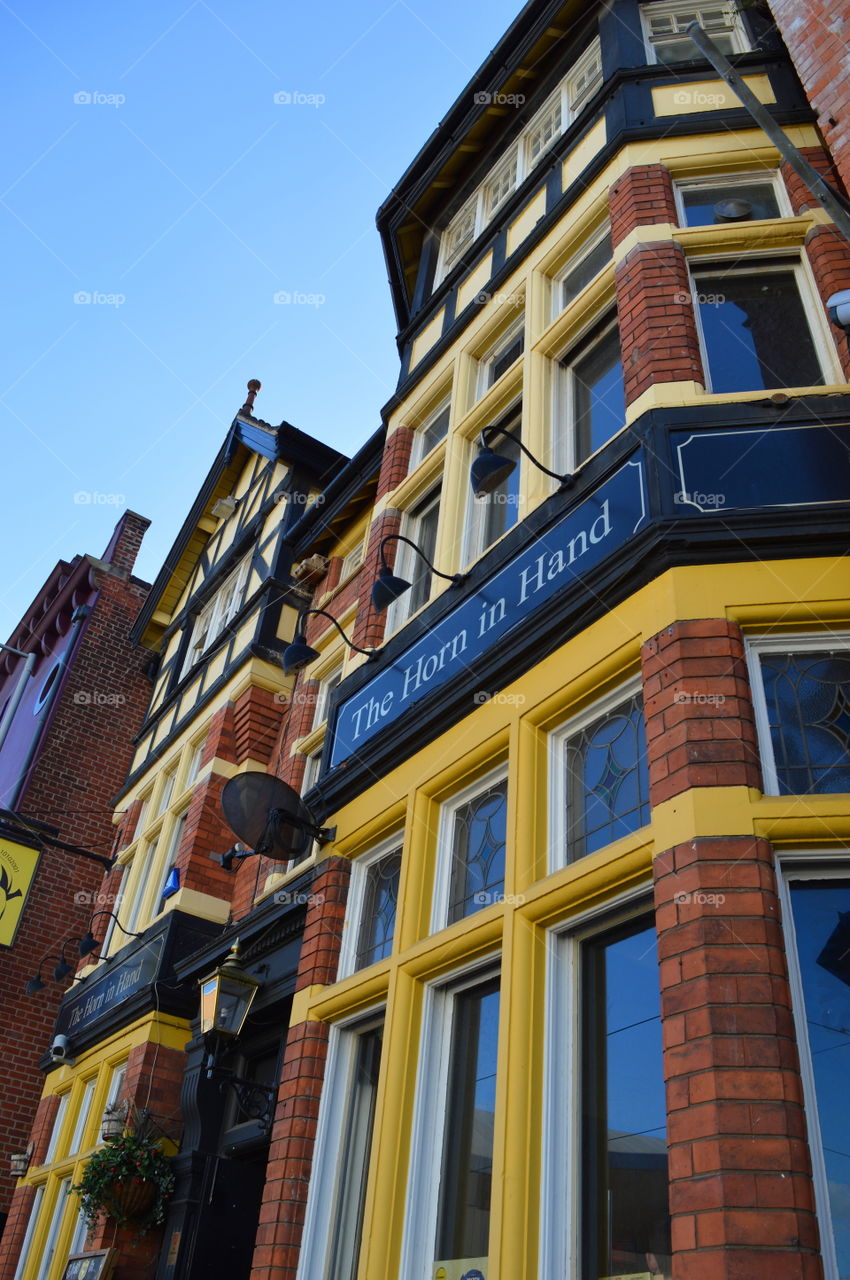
17,870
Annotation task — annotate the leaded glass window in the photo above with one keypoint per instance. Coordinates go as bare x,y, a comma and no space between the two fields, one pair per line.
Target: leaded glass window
807,696
607,779
380,900
479,832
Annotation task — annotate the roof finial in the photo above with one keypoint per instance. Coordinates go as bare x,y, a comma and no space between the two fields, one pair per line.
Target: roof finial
253,387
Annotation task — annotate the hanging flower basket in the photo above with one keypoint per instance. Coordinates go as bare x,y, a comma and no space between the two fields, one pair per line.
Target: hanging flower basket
128,1179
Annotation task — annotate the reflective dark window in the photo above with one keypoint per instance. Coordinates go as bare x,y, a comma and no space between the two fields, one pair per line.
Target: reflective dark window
821,911
424,521
463,1219
478,852
624,1183
730,202
380,900
607,779
808,709
598,409
499,510
755,331
434,430
586,269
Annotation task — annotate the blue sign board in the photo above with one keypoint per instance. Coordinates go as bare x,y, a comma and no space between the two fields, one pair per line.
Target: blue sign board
97,995
582,539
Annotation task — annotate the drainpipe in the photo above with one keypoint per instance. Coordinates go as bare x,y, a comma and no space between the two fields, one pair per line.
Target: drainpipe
826,197
15,700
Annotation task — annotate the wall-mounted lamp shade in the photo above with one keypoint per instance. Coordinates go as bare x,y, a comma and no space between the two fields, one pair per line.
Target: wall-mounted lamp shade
19,1163
386,588
87,944
62,970
488,470
35,984
298,655
172,884
226,996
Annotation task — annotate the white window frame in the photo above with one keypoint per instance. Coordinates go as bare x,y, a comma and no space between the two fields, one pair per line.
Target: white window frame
193,768
790,642
564,388
217,613
356,898
166,794
477,209
174,841
445,836
419,451
575,260
476,508
557,749
312,769
351,561
146,853
407,559
330,680
740,39
56,1131
489,357
561,1173
429,1114
758,264
52,1238
826,864
83,1114
769,177
26,1246
322,1197
116,1081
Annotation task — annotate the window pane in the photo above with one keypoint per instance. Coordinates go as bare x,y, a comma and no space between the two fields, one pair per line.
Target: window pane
478,852
53,1233
380,900
55,1134
599,398
24,1255
624,1122
463,1224
544,130
821,911
499,511
82,1118
701,203
500,186
579,276
756,332
424,521
808,710
357,1139
607,780
434,430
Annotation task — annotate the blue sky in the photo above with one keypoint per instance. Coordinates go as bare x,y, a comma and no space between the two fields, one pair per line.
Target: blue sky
150,170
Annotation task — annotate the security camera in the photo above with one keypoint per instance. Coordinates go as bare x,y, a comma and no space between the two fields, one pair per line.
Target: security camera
60,1050
838,309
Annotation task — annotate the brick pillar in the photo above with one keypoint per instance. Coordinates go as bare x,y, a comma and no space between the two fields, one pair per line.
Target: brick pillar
294,1130
15,1230
700,726
369,625
829,257
256,721
658,333
642,197
741,1195
396,460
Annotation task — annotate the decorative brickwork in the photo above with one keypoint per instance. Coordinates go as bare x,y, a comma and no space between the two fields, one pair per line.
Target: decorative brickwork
829,255
369,626
799,194
642,197
294,1130
741,1195
256,720
396,460
699,717
655,309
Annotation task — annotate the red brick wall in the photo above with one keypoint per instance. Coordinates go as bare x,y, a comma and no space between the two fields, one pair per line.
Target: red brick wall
81,766
370,625
655,310
815,32
741,1195
642,196
700,726
396,460
294,1130
829,255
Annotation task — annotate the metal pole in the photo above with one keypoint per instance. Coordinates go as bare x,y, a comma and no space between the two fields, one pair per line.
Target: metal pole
14,701
821,190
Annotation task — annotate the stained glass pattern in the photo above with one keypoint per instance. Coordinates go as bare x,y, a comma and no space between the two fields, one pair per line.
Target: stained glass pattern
478,852
377,921
808,710
607,779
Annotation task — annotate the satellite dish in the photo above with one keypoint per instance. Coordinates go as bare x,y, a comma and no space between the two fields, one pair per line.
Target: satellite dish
268,815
